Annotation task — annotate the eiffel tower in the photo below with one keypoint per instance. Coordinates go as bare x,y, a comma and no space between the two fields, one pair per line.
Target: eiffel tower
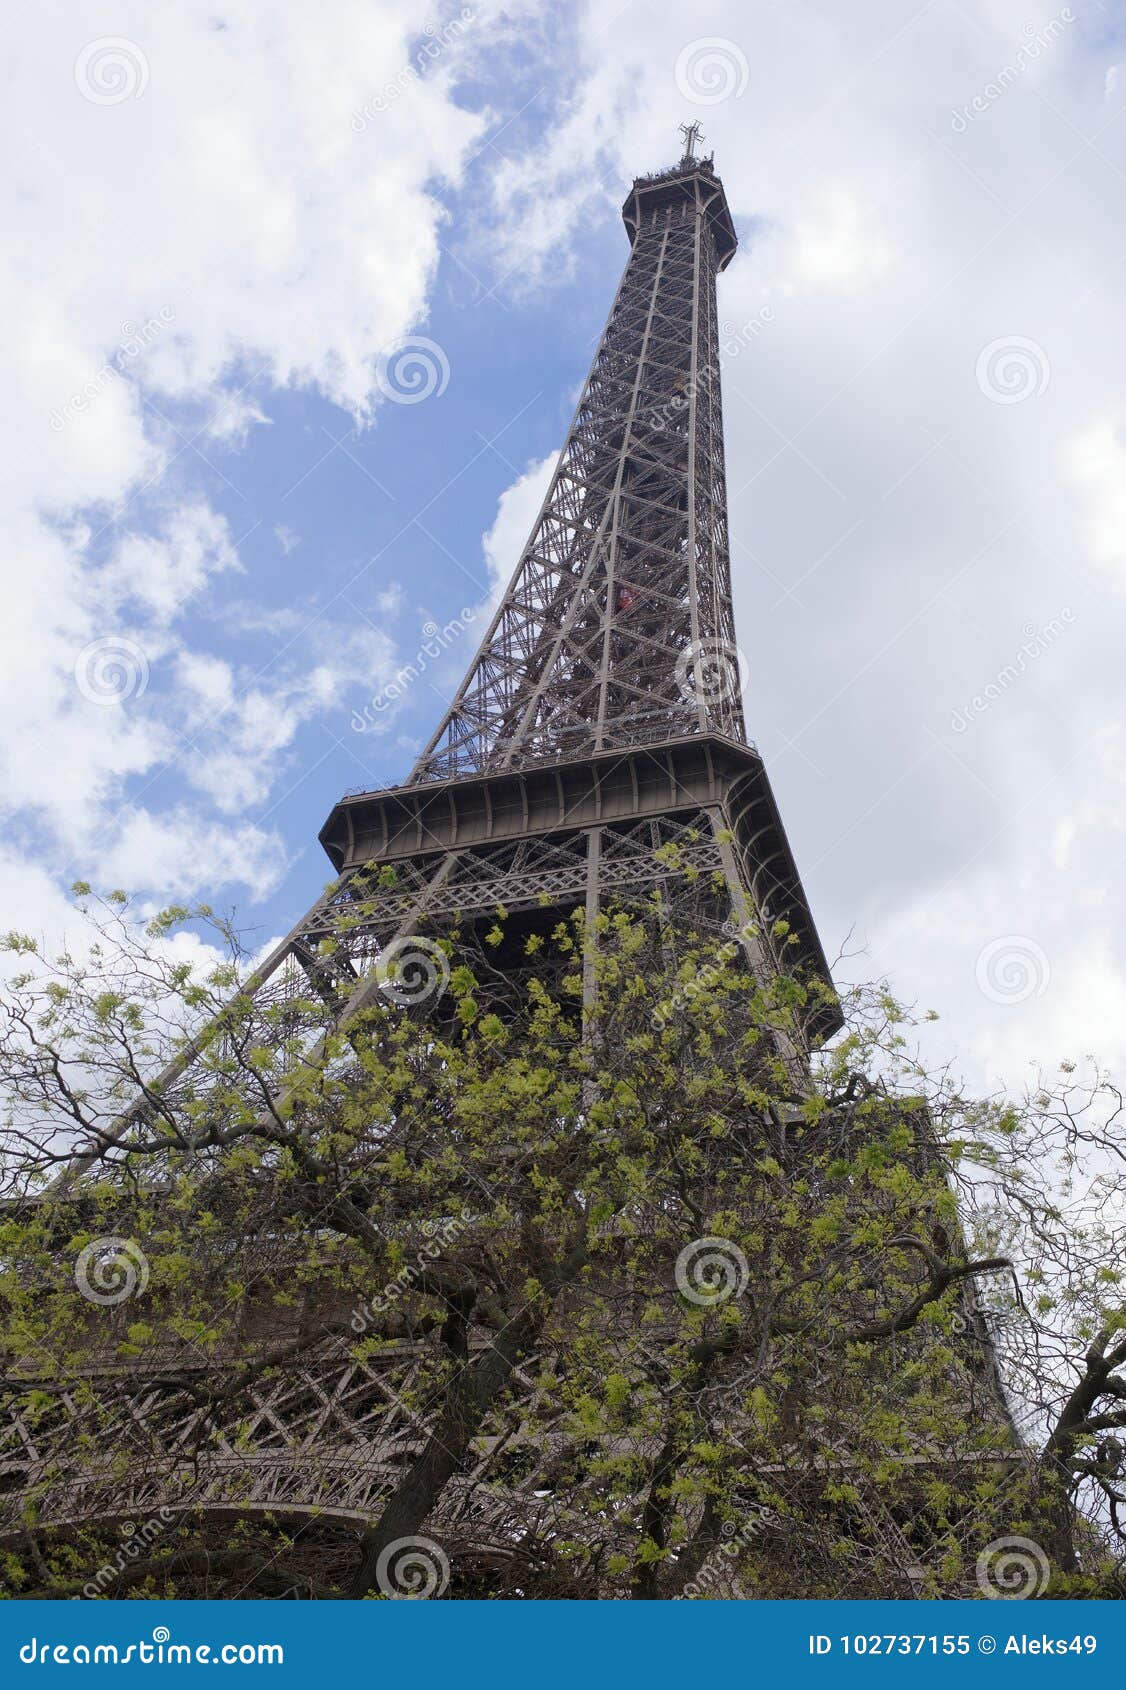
601,719
594,756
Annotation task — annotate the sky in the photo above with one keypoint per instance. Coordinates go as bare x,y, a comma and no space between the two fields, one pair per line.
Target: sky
300,301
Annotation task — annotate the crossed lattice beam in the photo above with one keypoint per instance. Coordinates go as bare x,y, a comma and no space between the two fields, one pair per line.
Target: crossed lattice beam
624,585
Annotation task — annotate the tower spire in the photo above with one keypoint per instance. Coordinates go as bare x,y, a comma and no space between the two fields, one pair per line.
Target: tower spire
691,133
623,592
600,725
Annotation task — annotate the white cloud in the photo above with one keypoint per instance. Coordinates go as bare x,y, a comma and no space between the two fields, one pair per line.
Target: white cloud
837,244
162,572
33,904
1096,463
242,747
60,754
208,686
167,851
234,419
1025,975
228,224
1080,836
517,510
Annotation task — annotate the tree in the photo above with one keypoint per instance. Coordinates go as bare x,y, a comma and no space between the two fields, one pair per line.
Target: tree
559,1279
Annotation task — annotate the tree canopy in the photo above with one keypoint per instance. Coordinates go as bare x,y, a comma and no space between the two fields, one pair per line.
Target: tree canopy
561,1280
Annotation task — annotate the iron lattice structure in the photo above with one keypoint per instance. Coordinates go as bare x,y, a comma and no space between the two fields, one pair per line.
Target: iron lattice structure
617,628
602,713
594,755
601,719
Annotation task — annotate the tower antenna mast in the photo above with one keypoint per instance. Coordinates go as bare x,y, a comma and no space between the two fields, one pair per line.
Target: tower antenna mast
692,133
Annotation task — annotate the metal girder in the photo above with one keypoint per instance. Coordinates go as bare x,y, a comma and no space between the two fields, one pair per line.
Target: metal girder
617,626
